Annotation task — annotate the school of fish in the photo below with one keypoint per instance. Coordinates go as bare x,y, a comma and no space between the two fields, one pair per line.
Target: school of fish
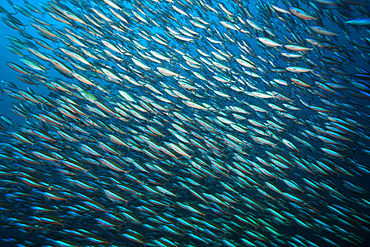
187,123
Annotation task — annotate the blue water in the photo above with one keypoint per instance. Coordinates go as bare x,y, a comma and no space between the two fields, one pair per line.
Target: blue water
7,74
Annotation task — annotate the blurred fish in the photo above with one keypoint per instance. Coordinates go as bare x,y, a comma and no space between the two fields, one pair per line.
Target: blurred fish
187,123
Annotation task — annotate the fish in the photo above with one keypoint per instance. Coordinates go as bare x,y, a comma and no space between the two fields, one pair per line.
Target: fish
186,123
